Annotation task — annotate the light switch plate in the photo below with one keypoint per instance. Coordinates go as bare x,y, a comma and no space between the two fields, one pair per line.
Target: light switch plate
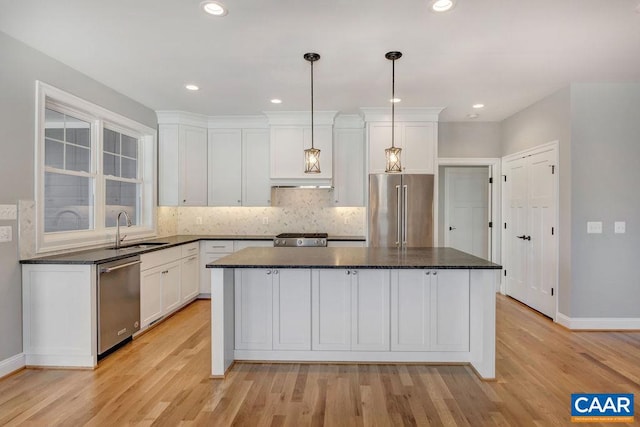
5,233
620,227
594,227
8,212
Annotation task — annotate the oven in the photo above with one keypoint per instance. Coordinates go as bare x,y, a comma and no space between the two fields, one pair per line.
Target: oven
300,240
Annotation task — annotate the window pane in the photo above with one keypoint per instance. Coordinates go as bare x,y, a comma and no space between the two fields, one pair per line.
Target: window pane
129,168
129,146
121,196
78,158
111,164
111,141
67,202
54,153
53,124
80,136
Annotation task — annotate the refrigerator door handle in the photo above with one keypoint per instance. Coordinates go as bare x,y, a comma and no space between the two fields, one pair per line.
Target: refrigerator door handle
405,220
399,212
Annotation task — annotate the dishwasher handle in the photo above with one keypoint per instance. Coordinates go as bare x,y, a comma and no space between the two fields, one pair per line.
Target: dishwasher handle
118,267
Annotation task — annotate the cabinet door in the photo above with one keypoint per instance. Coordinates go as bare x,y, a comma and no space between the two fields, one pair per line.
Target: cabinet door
171,287
418,147
253,309
410,310
193,166
256,189
287,145
225,167
370,310
189,278
168,169
379,140
450,310
331,309
150,295
292,309
348,171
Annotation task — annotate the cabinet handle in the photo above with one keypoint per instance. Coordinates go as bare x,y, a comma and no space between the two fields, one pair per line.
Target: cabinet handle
348,271
275,272
184,201
435,273
193,258
192,249
354,272
428,273
268,271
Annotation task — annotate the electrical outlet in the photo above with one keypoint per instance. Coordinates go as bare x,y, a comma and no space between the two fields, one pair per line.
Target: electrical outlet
346,221
198,220
619,227
8,212
594,227
5,233
265,220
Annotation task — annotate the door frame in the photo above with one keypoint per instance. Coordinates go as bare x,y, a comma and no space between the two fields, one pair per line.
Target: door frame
495,172
549,146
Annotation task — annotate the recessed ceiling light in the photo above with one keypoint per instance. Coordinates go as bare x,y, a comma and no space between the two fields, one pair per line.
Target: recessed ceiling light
191,87
441,5
394,100
214,8
473,116
477,106
276,101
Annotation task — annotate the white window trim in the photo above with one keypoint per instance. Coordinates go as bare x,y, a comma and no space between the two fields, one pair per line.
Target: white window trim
98,116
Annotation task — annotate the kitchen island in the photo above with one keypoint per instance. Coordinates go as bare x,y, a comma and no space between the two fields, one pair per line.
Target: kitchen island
371,305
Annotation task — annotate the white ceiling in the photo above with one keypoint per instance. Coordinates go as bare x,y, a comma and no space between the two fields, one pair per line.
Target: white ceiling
506,54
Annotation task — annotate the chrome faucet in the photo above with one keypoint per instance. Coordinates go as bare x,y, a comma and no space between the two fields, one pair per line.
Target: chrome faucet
118,239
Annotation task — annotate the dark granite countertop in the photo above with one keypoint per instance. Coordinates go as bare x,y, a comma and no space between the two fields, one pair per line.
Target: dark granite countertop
437,258
102,255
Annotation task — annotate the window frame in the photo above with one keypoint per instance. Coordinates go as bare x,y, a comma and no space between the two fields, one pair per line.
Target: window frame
51,97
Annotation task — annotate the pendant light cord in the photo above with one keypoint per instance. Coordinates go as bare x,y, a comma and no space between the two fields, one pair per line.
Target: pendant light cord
312,104
393,103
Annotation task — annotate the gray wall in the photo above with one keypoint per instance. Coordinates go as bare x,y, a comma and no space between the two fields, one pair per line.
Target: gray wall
549,120
469,139
21,67
605,150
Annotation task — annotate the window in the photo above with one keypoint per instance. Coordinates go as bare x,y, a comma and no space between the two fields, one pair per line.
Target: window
92,164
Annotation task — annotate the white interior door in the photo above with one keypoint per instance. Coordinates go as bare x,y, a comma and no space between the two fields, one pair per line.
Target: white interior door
543,243
516,248
531,236
467,209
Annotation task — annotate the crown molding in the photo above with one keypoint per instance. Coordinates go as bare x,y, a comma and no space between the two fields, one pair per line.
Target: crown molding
300,118
235,122
348,121
169,117
423,114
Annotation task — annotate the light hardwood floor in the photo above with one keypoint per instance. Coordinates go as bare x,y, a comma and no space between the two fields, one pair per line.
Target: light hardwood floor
162,378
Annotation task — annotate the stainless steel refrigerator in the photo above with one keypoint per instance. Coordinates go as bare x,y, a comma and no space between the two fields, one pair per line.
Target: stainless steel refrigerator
400,210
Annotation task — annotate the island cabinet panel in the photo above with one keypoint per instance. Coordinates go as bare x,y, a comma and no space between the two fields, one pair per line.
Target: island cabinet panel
331,309
351,309
430,310
253,309
370,310
291,309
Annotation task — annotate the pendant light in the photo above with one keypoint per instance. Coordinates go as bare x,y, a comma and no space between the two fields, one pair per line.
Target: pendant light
311,155
392,154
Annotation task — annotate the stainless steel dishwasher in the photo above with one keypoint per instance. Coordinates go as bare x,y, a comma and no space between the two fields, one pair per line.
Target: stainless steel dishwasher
118,302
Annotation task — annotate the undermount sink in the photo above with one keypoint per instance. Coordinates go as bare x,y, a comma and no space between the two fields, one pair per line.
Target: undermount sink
140,246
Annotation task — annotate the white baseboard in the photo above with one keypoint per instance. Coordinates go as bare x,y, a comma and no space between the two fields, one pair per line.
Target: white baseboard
12,364
598,323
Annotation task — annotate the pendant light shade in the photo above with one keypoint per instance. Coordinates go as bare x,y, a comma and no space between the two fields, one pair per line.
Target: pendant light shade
311,155
392,154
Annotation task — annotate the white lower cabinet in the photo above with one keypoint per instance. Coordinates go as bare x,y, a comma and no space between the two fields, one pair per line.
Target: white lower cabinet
273,309
151,295
189,278
170,286
430,310
351,309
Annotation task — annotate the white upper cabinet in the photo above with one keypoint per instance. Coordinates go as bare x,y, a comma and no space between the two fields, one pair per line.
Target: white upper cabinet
416,133
239,167
182,172
349,164
290,136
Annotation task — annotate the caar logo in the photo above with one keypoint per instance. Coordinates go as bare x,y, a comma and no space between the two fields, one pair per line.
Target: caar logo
612,408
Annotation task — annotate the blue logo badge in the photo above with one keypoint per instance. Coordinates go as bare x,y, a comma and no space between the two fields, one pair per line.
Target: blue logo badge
612,408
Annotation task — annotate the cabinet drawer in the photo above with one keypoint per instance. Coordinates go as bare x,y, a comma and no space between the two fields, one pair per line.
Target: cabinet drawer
222,246
241,244
156,258
190,249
